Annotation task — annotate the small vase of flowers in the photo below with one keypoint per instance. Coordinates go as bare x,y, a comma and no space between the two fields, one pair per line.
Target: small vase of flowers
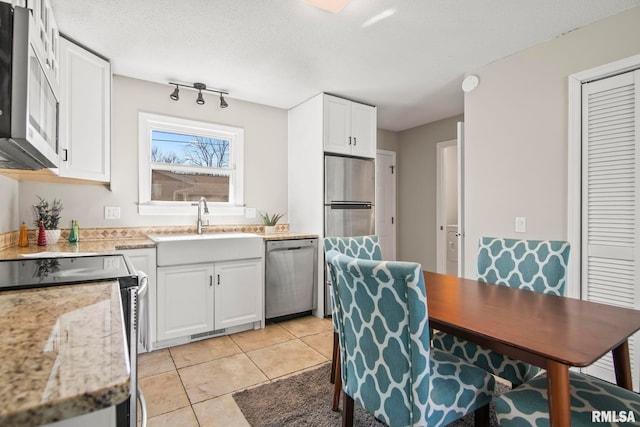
49,214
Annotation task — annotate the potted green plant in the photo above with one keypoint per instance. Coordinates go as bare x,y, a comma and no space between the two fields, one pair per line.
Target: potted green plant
270,221
49,214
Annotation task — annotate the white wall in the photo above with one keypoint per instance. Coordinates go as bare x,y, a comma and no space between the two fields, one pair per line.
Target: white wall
9,197
265,155
516,126
417,160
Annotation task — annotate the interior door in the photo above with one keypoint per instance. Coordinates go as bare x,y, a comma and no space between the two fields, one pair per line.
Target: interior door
461,226
386,202
610,194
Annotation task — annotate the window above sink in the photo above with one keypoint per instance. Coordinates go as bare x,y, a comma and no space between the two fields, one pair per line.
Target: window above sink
182,160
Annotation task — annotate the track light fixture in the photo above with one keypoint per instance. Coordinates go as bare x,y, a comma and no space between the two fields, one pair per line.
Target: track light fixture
199,87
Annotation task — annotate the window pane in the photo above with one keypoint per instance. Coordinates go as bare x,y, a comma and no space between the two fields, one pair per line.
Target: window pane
189,150
185,187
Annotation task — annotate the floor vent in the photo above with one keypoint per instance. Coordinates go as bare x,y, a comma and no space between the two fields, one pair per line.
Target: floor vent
207,334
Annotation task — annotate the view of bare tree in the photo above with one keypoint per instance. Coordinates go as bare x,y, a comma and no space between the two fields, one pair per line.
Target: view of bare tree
208,152
205,152
157,156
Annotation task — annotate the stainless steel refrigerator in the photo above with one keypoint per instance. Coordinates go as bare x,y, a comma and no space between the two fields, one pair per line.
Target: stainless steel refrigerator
349,199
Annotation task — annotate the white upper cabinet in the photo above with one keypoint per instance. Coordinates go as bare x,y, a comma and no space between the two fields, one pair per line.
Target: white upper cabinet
48,35
85,114
349,127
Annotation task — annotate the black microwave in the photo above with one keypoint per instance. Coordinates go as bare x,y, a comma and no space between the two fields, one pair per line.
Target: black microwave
29,95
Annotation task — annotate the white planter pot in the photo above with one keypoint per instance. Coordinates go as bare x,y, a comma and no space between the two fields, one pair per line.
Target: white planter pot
269,229
52,236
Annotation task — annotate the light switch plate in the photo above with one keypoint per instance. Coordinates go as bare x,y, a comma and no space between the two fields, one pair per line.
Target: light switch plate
112,212
521,224
249,212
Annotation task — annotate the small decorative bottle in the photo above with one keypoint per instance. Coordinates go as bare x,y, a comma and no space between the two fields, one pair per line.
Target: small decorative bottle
77,230
73,234
23,240
42,238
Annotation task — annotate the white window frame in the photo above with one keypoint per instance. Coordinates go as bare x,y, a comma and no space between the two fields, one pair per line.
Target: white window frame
148,122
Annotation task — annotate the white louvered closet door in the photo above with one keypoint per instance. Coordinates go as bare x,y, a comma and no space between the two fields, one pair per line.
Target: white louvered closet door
610,202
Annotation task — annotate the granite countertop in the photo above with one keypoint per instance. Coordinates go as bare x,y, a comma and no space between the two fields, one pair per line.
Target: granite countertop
91,246
102,246
62,353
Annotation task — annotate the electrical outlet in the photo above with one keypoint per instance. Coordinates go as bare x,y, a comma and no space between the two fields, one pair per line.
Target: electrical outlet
249,212
112,212
521,224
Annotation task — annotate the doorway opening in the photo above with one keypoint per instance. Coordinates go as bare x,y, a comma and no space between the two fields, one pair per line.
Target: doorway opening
447,207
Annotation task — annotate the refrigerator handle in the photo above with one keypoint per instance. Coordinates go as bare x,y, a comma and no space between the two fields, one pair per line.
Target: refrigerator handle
351,205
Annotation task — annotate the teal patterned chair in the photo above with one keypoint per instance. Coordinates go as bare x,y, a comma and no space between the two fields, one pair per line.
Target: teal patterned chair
536,265
363,247
527,405
388,366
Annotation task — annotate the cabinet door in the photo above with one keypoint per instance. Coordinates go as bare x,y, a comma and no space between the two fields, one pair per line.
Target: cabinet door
337,125
363,130
85,100
239,291
184,300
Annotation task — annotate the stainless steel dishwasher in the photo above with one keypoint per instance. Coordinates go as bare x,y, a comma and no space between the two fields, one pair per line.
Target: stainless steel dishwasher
291,271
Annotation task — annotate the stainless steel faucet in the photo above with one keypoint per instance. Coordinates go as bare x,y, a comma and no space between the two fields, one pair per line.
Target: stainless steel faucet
201,227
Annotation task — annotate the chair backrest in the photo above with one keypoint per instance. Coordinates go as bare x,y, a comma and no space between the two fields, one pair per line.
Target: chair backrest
384,335
363,247
536,265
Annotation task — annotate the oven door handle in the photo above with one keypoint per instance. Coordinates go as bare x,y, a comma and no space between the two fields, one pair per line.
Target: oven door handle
143,408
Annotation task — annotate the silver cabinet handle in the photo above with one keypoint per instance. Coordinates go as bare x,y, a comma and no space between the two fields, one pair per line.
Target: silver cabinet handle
66,154
355,140
349,140
210,280
218,280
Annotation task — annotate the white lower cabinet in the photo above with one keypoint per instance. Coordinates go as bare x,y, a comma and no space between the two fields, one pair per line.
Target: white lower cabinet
199,298
238,293
184,300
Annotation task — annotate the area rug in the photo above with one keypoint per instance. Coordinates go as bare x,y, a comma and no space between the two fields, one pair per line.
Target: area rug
305,400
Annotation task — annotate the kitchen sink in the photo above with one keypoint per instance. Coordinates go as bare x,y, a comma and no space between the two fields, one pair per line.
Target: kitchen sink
158,238
181,249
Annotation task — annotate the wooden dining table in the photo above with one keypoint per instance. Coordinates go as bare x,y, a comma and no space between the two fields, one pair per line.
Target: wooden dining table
552,332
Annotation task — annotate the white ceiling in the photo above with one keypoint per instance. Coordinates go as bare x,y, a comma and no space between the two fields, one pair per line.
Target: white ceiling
282,52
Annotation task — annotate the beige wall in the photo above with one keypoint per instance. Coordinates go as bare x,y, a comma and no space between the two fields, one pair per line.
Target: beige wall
417,190
9,199
265,156
387,140
516,132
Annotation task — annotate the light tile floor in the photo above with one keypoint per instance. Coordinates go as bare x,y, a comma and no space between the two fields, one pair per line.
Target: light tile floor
192,385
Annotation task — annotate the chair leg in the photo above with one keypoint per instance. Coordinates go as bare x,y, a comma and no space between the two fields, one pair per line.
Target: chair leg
481,416
335,356
337,387
347,411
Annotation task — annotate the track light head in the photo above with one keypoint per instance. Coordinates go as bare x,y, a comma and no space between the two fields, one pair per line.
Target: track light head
200,87
200,100
175,95
223,102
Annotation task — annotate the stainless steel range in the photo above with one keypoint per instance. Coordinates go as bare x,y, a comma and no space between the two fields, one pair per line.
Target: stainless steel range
40,272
